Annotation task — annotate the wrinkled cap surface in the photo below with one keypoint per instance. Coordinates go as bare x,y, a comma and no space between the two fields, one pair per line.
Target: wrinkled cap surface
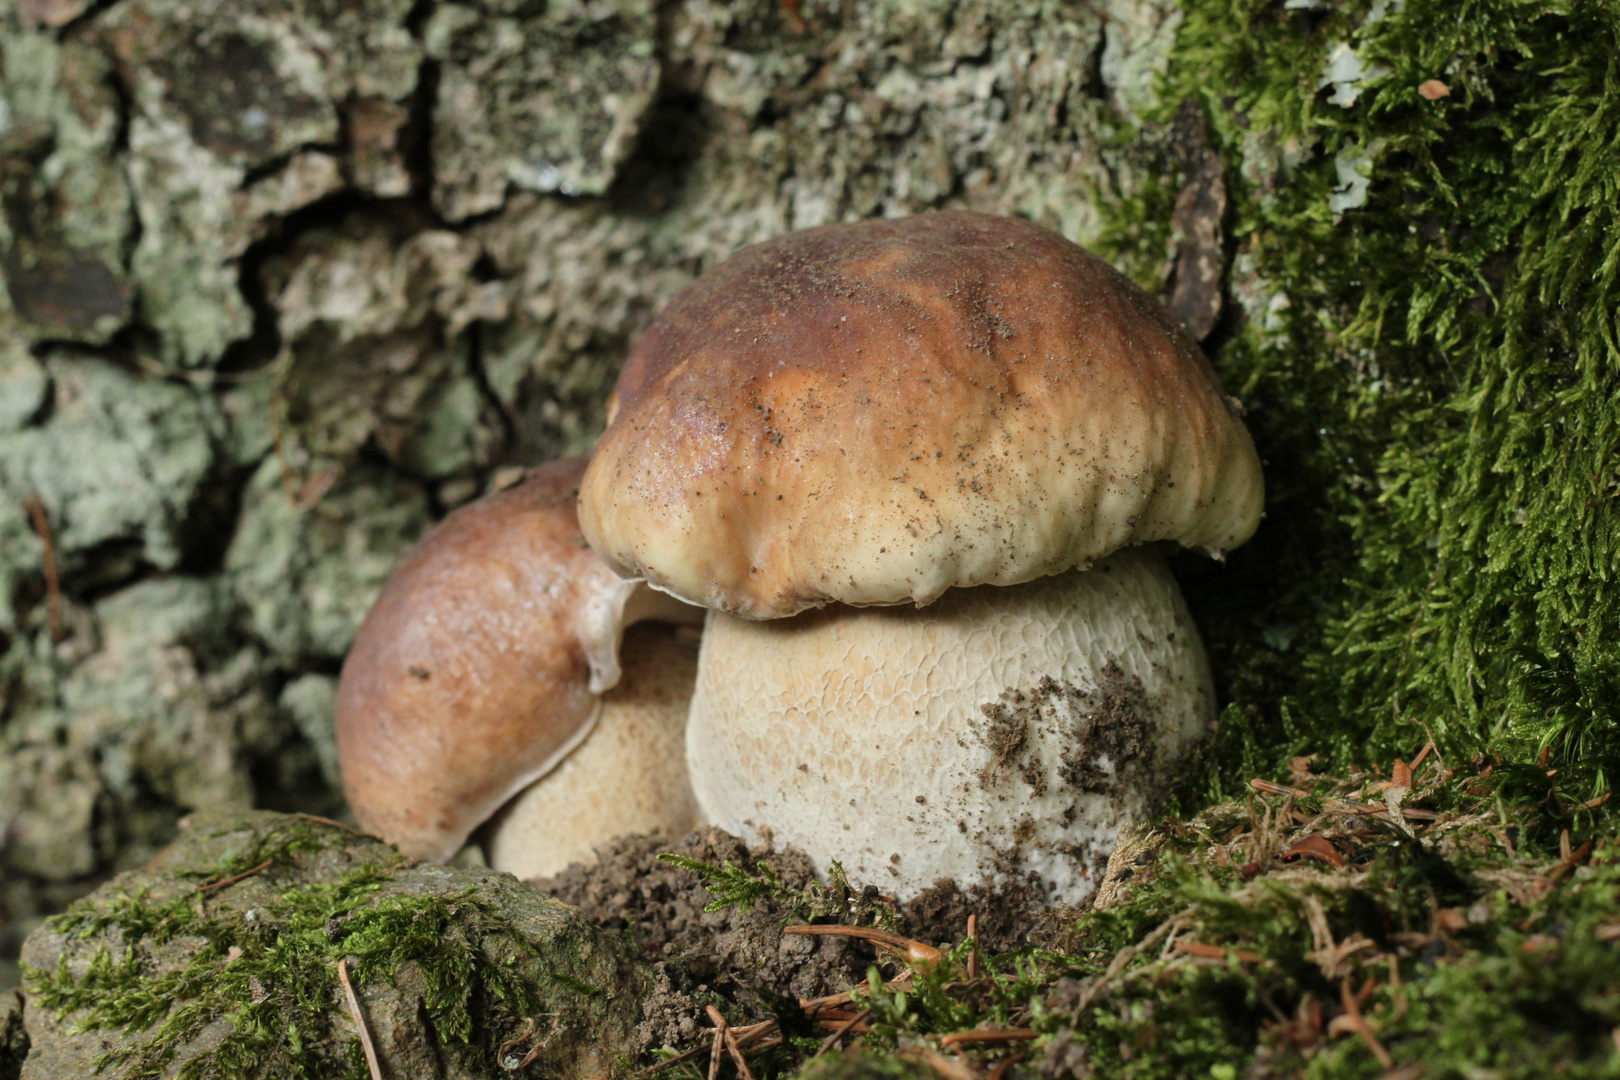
474,672
874,413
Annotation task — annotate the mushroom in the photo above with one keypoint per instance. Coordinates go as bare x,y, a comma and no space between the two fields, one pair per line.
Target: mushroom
628,777
489,662
864,416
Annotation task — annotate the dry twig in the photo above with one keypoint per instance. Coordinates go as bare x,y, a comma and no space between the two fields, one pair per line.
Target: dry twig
956,1038
843,1029
724,1030
359,1019
716,1047
234,878
47,558
1358,1023
911,951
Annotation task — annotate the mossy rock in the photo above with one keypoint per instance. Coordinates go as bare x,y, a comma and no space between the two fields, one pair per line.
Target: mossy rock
176,969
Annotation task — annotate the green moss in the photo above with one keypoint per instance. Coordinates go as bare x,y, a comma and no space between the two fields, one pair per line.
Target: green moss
836,901
203,987
1431,377
1474,952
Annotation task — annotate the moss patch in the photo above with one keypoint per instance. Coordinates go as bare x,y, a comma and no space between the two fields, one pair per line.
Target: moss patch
220,961
1425,246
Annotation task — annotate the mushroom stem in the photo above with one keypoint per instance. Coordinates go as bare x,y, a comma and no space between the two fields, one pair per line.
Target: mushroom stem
999,731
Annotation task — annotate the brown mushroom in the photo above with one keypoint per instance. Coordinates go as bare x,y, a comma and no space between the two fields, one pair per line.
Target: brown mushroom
873,414
482,667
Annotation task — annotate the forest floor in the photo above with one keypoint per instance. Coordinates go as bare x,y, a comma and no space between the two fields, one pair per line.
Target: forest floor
1432,919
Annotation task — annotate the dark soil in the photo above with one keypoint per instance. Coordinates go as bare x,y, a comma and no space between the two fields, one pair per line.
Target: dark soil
1118,723
743,956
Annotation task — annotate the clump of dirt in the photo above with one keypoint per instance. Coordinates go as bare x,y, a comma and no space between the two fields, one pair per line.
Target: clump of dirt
1007,728
742,955
1114,724
1105,730
1009,915
1007,736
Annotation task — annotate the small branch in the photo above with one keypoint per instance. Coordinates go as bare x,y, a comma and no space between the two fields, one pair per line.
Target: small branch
715,1049
659,1067
814,1005
1358,1022
745,1035
515,1041
973,952
1003,1065
946,1067
1266,787
359,1019
956,1038
47,555
912,951
233,879
843,1029
723,1029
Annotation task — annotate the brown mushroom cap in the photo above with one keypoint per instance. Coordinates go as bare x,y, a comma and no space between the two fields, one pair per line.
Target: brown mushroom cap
874,413
474,672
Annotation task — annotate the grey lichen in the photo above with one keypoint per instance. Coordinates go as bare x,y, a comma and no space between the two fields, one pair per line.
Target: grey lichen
234,109
66,207
548,97
162,711
121,459
311,553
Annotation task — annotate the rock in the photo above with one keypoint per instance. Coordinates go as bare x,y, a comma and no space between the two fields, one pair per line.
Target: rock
222,956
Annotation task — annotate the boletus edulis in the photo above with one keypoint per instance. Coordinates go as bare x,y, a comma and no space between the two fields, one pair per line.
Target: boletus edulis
489,674
920,472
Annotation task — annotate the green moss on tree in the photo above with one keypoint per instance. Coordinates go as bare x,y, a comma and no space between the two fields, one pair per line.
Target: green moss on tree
1430,354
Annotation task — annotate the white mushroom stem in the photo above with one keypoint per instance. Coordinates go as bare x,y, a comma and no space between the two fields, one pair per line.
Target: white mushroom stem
994,733
629,776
